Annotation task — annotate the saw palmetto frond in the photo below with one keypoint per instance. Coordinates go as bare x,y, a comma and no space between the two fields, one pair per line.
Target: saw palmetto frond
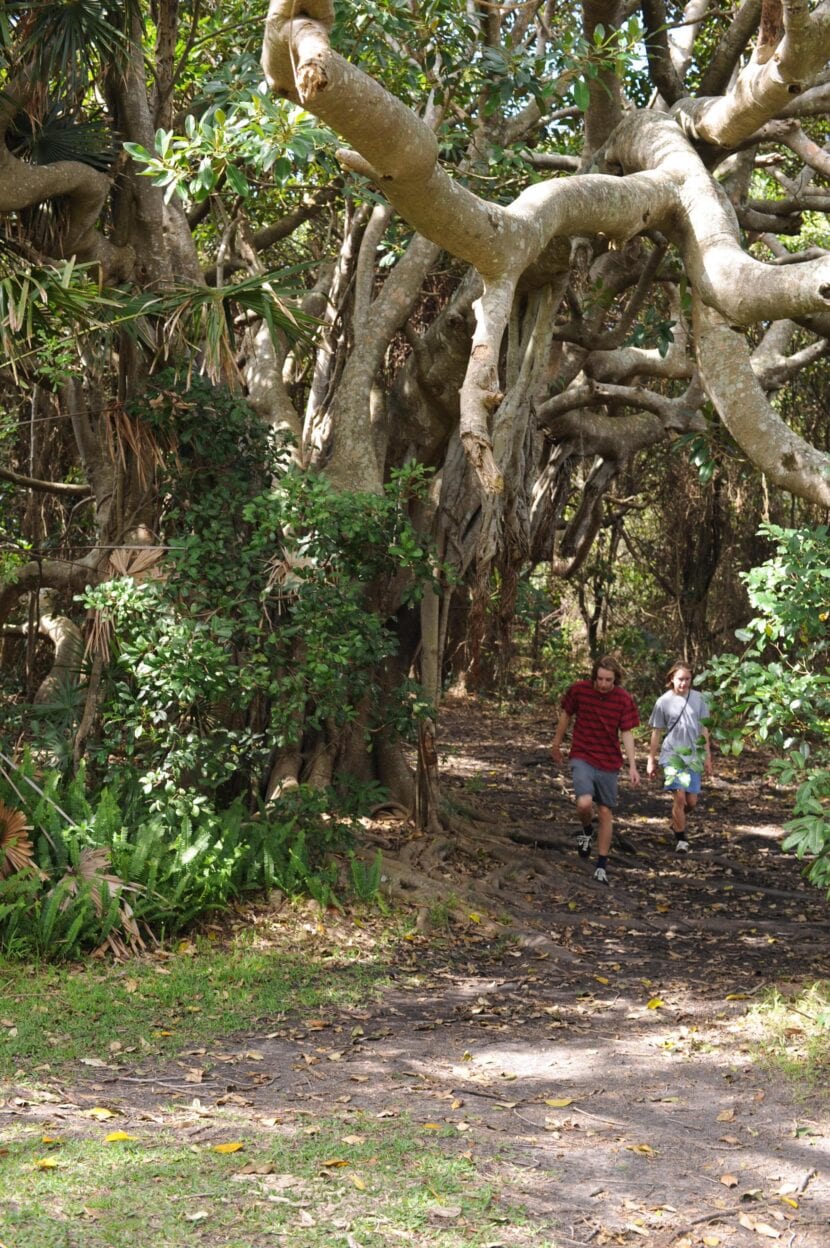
92,877
16,850
69,42
58,135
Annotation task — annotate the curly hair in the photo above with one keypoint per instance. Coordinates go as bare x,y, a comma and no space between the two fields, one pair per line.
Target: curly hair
610,664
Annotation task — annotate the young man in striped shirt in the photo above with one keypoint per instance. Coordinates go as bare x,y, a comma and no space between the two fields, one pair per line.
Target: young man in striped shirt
603,714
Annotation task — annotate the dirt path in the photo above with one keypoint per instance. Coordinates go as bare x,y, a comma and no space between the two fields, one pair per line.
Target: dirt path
606,1088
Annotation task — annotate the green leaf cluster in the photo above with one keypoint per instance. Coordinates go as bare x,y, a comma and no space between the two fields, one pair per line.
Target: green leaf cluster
777,690
253,136
268,619
155,871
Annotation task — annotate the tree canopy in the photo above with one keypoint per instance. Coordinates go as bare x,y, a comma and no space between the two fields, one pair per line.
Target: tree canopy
524,248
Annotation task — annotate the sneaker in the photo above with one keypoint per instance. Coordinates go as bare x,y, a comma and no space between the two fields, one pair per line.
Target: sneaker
681,845
601,875
584,841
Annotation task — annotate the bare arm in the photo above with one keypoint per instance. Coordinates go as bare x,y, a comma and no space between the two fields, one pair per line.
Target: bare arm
653,751
707,762
559,735
628,746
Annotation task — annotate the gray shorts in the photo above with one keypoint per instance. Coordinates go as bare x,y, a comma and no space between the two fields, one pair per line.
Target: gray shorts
589,781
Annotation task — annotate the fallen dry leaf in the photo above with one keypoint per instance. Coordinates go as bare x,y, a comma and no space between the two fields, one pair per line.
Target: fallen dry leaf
559,1102
726,1115
446,1213
115,1137
728,1180
232,1147
280,1182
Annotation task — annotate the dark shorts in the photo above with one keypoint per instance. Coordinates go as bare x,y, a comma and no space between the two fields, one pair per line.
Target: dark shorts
688,781
589,781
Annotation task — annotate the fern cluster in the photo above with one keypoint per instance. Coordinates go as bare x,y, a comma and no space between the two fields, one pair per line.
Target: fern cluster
107,873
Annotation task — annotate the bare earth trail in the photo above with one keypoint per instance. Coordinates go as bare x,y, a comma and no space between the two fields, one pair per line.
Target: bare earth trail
602,1081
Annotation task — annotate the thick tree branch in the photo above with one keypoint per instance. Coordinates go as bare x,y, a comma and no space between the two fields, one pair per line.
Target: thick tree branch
706,230
66,488
665,187
311,206
675,414
766,84
663,72
49,574
726,370
729,49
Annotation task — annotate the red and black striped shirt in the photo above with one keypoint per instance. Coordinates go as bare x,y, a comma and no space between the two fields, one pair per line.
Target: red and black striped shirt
599,720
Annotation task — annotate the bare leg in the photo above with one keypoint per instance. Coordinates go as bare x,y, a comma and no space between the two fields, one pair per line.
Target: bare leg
678,813
604,830
585,810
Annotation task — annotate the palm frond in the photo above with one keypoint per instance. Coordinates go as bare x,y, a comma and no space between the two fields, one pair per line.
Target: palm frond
60,136
141,565
42,301
6,36
105,890
16,850
62,302
202,318
69,42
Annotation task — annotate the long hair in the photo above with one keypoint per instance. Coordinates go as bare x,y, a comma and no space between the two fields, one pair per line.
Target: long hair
679,666
610,665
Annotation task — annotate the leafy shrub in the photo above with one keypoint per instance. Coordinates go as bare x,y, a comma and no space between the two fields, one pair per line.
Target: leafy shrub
107,873
269,618
777,690
261,626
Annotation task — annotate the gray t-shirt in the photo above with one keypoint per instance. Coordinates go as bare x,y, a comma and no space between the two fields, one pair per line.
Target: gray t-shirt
681,718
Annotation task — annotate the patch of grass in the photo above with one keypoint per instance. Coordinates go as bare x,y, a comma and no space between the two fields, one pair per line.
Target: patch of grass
369,1181
51,1016
795,1034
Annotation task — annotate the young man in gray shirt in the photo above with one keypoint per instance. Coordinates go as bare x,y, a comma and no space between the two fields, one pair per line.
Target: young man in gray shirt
677,721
